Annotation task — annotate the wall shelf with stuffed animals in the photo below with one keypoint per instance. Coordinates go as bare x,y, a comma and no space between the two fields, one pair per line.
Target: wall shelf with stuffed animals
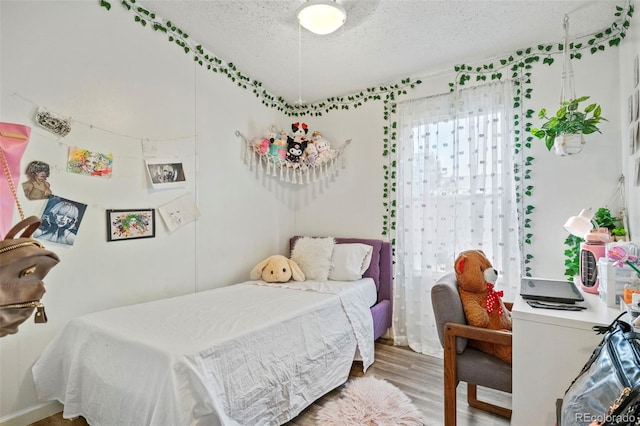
295,157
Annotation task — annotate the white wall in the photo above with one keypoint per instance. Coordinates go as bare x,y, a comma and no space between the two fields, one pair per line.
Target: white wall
103,69
629,51
351,204
565,185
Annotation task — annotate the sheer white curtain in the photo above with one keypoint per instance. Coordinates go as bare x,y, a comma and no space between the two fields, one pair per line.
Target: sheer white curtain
455,191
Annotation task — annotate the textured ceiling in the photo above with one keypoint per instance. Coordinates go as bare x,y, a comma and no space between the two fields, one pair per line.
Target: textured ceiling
382,41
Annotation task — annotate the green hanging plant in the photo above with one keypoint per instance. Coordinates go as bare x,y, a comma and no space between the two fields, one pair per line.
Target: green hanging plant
569,120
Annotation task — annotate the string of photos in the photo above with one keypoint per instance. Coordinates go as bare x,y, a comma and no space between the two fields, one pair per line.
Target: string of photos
294,158
123,224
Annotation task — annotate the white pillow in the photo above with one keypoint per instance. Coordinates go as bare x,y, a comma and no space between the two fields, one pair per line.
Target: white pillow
350,261
313,256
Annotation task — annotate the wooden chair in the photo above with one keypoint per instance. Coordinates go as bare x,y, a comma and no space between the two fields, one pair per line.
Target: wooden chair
463,363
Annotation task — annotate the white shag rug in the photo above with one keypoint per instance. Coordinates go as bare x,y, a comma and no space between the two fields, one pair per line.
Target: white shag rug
370,401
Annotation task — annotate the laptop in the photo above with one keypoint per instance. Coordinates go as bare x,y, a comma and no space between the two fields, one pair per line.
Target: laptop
550,290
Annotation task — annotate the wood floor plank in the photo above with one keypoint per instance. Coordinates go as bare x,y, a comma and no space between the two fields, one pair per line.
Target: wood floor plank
419,376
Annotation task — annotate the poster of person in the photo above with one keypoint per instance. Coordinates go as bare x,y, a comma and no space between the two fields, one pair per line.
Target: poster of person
60,221
165,173
179,212
89,163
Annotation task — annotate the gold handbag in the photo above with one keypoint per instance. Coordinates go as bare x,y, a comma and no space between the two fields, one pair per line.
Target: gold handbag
24,262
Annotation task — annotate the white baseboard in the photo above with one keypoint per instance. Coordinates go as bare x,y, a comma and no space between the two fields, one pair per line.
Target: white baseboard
31,414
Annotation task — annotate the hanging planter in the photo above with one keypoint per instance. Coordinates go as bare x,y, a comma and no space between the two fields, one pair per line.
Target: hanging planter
564,132
568,144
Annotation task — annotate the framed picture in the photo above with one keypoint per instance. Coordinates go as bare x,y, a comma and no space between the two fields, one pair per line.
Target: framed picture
131,224
165,173
636,71
637,182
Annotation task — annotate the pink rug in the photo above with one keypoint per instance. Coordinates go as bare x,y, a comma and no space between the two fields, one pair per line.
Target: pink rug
370,401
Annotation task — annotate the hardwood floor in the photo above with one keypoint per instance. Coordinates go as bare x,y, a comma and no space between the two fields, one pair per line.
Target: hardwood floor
419,376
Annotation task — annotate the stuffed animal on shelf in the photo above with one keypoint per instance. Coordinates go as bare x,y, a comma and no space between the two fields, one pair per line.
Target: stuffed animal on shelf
278,149
263,148
322,146
483,306
299,131
295,150
277,269
310,153
263,145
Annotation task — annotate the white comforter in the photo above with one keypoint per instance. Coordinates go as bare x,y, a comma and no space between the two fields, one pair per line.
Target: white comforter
246,354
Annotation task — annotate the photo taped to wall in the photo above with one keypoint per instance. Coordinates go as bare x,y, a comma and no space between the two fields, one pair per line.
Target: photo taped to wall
179,212
84,162
165,173
60,221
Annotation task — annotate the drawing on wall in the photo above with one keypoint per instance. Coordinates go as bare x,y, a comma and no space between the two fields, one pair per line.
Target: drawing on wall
129,224
89,163
60,221
165,173
36,187
179,212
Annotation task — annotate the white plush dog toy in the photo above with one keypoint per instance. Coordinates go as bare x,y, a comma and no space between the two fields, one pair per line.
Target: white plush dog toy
277,269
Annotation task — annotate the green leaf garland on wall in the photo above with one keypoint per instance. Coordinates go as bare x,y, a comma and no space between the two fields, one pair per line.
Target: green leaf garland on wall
516,66
216,65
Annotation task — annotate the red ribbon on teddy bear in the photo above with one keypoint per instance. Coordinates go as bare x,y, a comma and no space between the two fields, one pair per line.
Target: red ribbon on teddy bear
493,299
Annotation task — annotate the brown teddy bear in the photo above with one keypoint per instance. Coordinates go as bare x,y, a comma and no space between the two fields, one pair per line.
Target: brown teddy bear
277,269
483,306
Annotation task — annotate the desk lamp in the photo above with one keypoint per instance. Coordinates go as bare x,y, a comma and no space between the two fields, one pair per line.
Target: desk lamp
592,249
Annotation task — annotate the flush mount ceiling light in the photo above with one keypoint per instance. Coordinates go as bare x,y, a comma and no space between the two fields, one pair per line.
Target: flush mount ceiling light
321,16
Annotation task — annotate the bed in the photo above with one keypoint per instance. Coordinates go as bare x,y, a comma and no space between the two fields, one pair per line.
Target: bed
248,353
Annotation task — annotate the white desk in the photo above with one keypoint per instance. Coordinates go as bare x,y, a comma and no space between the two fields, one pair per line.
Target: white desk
550,348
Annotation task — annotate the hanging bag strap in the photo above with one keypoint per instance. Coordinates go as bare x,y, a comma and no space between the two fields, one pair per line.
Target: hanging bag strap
12,186
29,224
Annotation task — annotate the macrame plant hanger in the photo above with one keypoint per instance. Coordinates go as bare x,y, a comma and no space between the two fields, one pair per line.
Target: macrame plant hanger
567,144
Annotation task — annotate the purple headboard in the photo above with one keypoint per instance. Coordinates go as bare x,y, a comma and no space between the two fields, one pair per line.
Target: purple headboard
381,270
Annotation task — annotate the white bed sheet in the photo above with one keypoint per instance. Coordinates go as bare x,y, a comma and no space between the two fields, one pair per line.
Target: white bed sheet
246,354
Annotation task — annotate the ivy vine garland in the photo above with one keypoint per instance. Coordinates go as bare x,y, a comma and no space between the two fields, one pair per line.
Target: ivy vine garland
517,66
216,65
385,93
